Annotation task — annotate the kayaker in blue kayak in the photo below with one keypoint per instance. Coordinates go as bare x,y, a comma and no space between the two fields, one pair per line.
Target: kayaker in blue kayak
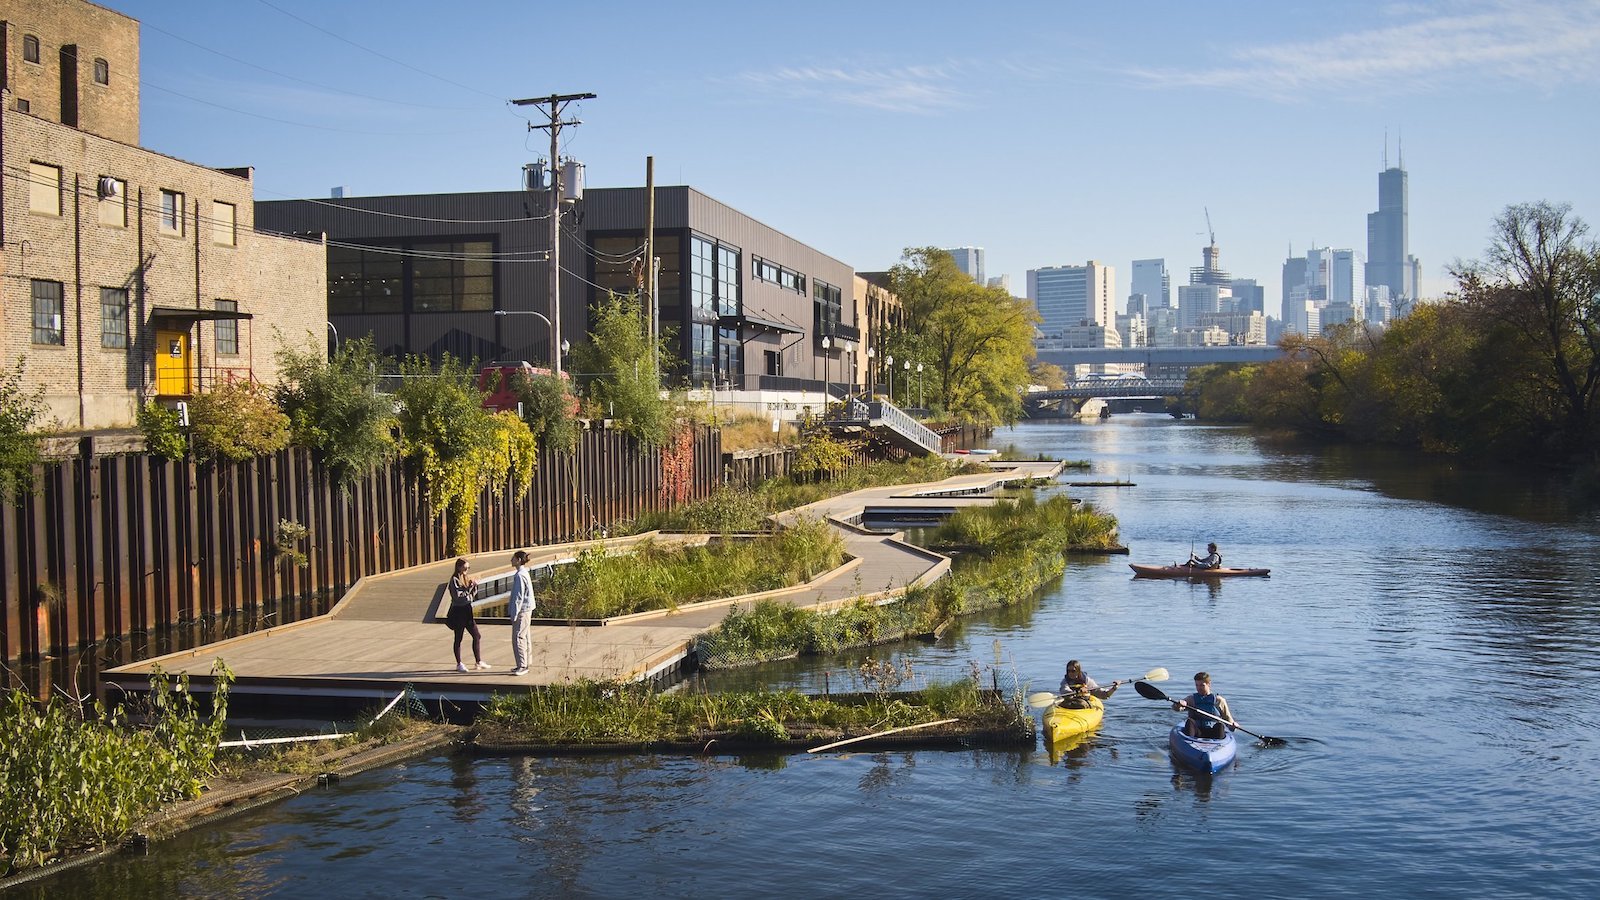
1076,686
1202,700
1212,559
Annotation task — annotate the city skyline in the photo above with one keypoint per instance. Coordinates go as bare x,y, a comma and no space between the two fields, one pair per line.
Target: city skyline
855,151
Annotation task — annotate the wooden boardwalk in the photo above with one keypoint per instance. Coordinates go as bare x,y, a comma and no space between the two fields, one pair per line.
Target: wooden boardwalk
383,635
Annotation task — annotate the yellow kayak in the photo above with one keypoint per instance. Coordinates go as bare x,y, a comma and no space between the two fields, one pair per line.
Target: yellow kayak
1061,723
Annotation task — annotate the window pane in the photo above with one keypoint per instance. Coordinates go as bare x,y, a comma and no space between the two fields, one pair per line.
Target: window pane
227,330
47,313
114,318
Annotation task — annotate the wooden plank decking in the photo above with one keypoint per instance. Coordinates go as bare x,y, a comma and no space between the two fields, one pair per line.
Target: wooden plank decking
383,635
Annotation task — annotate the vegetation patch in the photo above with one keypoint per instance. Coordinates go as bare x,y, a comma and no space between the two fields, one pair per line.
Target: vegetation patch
1014,550
591,713
734,509
72,778
654,576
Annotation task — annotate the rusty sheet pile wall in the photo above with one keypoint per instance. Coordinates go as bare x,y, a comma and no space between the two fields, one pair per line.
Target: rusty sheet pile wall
114,545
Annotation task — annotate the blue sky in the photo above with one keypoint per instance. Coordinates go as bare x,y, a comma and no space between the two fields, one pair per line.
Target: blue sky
1047,133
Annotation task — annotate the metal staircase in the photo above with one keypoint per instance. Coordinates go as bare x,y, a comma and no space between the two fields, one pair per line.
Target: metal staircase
884,420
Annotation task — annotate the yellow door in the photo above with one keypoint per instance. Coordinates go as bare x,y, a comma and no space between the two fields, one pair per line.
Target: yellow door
172,364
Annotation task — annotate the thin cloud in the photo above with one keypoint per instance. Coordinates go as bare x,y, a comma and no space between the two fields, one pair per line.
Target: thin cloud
1547,45
916,90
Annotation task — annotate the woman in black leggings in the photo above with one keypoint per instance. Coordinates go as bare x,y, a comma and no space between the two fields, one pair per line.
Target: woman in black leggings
463,590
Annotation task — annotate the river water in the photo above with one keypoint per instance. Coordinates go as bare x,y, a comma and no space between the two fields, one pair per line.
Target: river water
1427,644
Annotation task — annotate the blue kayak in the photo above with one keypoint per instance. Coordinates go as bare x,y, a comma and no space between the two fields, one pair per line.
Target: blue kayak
1202,754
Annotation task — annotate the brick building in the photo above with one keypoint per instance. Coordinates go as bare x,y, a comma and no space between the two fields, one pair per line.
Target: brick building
126,275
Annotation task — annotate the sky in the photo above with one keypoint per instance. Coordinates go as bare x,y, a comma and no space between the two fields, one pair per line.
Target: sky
1046,133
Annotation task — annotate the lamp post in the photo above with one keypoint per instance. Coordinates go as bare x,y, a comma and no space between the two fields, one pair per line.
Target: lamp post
919,387
906,366
558,347
827,392
871,354
888,362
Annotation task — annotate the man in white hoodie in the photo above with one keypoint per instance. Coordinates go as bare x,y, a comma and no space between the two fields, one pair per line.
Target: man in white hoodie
521,611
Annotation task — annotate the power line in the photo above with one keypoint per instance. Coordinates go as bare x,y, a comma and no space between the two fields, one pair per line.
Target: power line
323,87
148,83
397,62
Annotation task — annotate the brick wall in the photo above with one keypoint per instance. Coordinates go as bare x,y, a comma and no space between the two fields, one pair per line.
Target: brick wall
110,109
281,281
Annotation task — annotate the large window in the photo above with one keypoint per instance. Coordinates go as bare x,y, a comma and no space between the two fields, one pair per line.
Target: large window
171,212
30,48
47,313
769,271
114,318
445,276
452,277
713,292
227,329
826,307
44,189
365,281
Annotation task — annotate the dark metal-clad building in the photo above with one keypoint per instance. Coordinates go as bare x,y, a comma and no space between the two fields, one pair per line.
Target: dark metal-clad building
748,306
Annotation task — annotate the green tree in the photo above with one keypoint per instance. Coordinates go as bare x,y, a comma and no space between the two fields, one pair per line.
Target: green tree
237,420
621,381
976,340
549,408
459,448
335,408
20,413
163,431
1538,287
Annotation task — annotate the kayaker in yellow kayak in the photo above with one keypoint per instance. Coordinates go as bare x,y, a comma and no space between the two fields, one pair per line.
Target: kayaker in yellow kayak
1077,687
1202,700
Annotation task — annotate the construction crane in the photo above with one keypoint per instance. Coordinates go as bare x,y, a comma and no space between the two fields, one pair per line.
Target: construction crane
1210,234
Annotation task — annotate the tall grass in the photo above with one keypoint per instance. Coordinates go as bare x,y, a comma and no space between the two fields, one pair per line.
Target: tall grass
590,712
731,509
653,576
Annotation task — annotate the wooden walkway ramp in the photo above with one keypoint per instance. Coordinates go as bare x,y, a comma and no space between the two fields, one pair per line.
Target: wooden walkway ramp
383,635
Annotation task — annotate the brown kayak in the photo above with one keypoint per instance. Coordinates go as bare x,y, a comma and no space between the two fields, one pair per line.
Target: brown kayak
1191,572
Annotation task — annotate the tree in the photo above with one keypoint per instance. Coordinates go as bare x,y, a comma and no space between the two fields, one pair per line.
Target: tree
20,412
622,383
549,408
459,447
237,420
1539,287
978,339
334,406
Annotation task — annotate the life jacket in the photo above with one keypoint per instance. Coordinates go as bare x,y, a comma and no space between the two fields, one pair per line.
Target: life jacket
1204,703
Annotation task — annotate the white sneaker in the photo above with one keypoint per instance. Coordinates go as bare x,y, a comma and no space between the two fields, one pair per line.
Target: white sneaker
519,671
461,667
484,665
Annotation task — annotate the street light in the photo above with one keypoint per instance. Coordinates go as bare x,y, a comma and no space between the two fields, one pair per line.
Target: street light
564,346
871,354
907,367
919,387
888,363
827,392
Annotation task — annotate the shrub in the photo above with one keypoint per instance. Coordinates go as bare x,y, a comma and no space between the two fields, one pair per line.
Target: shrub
237,420
163,433
20,412
334,406
550,410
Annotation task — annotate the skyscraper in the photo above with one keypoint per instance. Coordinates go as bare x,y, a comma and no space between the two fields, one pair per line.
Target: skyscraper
1151,279
969,260
1389,260
1066,296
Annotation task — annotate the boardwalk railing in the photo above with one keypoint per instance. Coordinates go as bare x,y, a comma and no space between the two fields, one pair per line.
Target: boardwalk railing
106,546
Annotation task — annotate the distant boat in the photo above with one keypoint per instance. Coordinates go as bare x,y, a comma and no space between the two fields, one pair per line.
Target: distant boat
985,452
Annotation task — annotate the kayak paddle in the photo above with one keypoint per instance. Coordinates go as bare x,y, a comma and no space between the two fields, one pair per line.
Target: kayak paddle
1044,698
1151,692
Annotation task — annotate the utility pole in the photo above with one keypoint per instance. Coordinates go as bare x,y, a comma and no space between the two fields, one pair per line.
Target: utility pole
652,310
556,103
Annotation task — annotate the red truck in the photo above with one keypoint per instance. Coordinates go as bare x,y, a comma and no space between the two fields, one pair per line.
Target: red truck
497,381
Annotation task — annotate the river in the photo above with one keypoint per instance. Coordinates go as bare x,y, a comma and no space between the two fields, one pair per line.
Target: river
1427,644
